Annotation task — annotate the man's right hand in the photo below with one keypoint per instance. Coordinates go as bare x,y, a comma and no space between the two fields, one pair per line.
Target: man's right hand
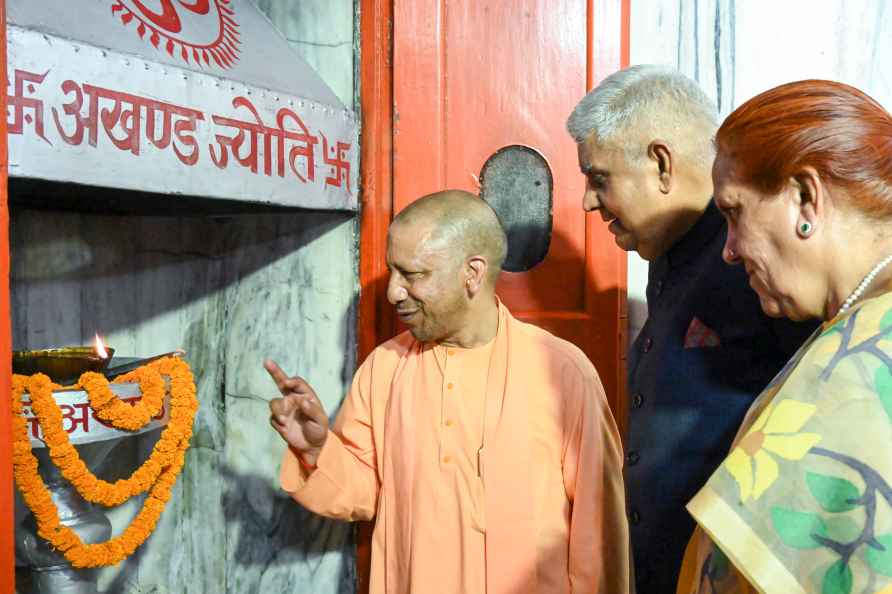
298,416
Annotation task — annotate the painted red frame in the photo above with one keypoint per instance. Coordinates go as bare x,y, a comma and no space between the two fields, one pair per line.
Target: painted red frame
7,535
375,319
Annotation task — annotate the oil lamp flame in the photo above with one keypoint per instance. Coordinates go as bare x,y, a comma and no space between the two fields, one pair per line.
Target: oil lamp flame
100,348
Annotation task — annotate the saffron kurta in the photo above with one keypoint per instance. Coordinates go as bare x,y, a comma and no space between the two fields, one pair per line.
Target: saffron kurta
496,469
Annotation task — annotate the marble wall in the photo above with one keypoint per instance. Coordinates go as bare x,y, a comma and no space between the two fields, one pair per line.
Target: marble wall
738,48
230,291
322,31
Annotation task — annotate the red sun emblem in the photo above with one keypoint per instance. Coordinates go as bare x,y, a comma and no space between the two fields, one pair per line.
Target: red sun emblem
205,30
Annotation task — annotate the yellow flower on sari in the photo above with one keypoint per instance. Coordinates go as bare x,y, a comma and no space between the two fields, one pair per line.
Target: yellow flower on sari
775,431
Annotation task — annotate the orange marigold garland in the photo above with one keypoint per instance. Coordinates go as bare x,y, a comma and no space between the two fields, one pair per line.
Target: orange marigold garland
157,475
120,414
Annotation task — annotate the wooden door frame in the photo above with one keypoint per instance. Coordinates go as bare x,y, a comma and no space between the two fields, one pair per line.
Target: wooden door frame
376,170
602,51
7,511
376,319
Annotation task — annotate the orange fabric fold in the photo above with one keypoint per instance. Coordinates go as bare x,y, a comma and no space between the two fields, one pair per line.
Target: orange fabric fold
547,513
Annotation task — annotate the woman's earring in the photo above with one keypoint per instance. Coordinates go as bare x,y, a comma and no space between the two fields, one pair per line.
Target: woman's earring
805,229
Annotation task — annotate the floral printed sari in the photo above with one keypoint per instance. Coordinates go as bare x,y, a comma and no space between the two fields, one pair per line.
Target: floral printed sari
803,502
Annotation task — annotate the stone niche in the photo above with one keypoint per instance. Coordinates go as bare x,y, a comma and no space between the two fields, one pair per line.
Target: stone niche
230,288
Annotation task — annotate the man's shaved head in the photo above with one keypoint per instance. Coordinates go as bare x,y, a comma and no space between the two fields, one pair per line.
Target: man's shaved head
462,222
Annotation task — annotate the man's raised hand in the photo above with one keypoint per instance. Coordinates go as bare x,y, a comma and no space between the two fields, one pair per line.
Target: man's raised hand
298,415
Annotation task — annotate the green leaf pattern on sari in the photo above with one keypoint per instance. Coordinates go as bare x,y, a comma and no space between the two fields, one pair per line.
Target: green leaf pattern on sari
812,474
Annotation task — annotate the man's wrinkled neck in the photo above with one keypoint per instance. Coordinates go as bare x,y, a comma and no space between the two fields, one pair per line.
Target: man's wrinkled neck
480,327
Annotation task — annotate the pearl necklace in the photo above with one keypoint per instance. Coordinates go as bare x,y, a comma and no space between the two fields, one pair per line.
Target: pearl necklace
856,294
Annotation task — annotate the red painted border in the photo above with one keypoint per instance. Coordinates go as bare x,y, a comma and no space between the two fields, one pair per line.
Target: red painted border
604,55
375,321
376,154
622,411
626,38
7,551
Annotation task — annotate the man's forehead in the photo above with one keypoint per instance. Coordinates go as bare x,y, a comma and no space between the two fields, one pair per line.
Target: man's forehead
595,157
411,231
414,240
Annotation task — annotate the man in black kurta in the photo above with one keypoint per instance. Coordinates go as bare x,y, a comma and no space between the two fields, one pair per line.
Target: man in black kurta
706,351
704,354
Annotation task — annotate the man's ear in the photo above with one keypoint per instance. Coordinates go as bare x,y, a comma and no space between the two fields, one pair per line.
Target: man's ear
476,268
661,153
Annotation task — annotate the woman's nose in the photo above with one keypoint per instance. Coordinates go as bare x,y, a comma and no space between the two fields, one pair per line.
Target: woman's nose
729,252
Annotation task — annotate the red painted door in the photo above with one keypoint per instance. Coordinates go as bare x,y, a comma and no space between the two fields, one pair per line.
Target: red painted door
472,77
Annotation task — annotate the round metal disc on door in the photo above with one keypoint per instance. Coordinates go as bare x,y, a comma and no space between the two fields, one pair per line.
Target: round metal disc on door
517,182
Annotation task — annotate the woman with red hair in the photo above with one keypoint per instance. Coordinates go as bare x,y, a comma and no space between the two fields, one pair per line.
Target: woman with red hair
803,502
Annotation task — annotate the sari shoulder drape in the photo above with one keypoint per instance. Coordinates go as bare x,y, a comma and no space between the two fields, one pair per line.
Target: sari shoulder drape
803,501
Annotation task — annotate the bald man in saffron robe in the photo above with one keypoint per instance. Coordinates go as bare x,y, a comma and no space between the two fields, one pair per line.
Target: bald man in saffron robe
483,447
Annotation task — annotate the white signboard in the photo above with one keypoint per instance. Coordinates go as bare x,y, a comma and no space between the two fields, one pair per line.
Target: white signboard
83,114
79,421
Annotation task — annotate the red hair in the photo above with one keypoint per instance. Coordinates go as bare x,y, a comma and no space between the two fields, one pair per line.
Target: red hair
840,131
